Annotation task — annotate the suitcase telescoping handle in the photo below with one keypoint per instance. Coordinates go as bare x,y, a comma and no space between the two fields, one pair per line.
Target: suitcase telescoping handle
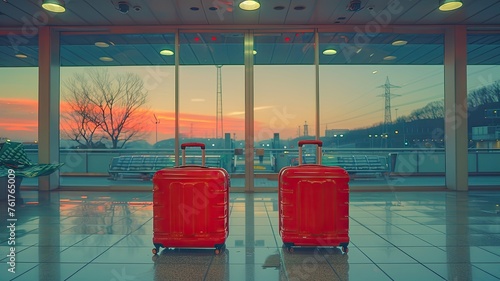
318,144
193,144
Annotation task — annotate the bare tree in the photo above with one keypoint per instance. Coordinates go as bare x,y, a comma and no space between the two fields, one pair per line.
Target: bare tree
432,110
81,121
102,106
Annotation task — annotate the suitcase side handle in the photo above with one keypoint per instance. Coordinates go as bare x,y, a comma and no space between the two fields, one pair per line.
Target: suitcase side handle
318,149
193,144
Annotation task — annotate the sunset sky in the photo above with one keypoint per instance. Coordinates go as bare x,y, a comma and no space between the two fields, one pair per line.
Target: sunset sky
284,97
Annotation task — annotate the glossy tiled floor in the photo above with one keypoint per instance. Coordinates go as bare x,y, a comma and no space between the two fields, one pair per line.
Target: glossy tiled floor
394,236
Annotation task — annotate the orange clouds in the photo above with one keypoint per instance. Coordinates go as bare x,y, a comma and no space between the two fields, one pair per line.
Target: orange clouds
18,119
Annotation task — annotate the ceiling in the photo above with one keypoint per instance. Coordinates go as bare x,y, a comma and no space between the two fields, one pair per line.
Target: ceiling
226,12
227,48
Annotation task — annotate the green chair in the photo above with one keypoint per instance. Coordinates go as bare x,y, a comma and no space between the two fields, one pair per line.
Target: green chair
14,158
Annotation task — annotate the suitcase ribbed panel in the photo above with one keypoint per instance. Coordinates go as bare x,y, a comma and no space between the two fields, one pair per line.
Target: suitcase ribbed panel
314,205
190,207
315,215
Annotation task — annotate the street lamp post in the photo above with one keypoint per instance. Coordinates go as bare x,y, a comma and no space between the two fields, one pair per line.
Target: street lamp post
337,139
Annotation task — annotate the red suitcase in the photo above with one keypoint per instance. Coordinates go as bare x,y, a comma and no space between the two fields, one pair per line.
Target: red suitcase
313,204
191,206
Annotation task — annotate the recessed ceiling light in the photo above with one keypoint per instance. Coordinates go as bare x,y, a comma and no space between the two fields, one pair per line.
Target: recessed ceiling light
299,8
279,8
329,52
389,58
399,43
449,5
106,59
56,6
213,8
249,5
166,52
101,44
194,8
21,56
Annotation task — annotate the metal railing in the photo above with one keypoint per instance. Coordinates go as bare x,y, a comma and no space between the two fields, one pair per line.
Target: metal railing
405,161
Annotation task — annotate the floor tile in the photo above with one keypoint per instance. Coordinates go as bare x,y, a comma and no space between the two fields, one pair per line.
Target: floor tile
490,268
51,271
366,271
122,254
130,271
403,272
387,255
99,240
460,271
16,271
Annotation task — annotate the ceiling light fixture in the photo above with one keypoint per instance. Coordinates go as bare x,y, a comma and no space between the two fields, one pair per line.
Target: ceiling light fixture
56,6
249,5
329,52
389,58
101,44
449,5
107,59
399,43
166,52
21,56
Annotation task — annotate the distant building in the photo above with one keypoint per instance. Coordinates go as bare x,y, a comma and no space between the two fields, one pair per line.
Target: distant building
486,136
335,132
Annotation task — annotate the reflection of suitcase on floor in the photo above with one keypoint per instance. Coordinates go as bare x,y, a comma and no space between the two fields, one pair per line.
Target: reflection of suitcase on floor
313,204
190,206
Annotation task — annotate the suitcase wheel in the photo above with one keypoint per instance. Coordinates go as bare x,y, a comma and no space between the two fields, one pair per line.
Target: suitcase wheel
156,249
219,248
344,248
288,247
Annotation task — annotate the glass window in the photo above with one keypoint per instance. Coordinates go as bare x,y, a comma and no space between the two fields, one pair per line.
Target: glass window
117,107
381,106
483,95
285,101
19,96
212,94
